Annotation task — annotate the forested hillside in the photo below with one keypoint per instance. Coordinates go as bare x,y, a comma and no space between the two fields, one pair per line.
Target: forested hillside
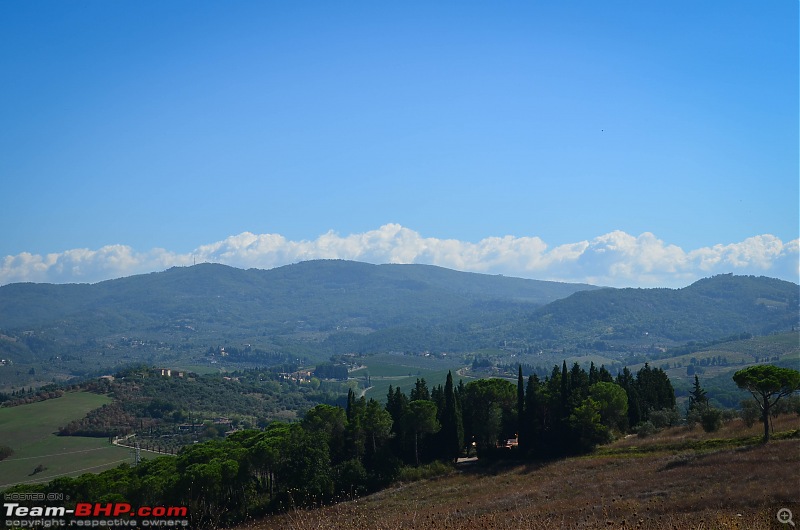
210,317
321,293
710,308
260,317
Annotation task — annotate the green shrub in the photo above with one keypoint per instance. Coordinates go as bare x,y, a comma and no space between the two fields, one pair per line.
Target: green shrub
711,419
693,417
750,413
729,414
788,405
645,429
664,418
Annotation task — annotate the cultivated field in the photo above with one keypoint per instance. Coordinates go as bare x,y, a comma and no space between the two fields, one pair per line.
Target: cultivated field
30,430
739,354
675,479
403,371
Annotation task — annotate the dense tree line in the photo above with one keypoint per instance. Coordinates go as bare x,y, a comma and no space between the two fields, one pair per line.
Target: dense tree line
331,371
109,420
336,452
572,411
22,397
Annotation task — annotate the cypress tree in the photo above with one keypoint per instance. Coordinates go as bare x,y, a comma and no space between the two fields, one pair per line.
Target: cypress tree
654,389
565,390
437,396
594,374
351,404
534,417
697,397
420,390
452,432
520,409
626,380
390,399
578,385
397,405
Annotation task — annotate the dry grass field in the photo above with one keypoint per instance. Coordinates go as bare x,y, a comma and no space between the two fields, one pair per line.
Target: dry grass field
674,479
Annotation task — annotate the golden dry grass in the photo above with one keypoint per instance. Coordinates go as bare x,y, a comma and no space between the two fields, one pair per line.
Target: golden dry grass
734,487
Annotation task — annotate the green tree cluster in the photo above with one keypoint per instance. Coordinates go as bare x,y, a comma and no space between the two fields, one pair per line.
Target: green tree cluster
337,452
427,425
572,411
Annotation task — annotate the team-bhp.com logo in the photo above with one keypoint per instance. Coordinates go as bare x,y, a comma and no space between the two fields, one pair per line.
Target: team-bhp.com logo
95,514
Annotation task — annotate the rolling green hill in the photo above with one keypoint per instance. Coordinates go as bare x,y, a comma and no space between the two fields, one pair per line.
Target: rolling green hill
710,308
309,310
208,317
325,292
322,293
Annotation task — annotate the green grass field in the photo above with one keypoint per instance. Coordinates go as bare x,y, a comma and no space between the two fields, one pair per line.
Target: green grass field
30,430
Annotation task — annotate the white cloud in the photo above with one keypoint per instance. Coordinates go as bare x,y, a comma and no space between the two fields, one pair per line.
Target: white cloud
616,259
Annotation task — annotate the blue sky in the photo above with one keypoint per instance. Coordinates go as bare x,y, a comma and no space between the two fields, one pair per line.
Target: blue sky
623,143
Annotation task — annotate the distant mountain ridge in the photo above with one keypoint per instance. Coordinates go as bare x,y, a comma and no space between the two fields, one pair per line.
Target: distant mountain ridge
311,310
320,308
300,290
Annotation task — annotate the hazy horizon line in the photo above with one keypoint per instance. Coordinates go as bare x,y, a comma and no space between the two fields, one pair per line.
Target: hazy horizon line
615,259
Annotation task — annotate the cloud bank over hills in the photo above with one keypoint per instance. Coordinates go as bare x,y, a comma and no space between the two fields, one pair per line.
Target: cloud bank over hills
615,259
